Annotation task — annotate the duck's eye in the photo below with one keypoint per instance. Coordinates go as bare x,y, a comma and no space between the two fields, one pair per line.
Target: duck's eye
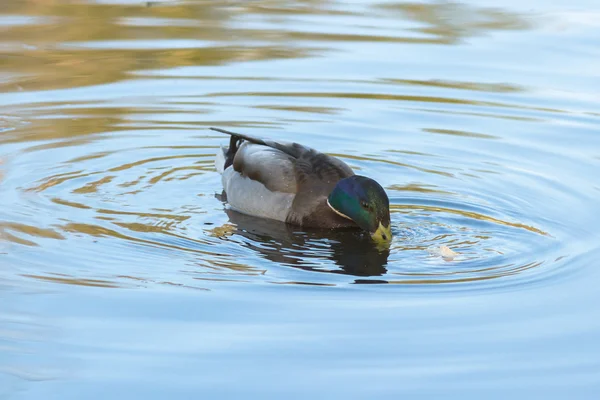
365,205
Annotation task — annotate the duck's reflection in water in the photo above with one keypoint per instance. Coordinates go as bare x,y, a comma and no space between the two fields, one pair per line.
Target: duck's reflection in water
353,252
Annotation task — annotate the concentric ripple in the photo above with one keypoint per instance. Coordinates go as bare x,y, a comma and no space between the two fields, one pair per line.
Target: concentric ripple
153,214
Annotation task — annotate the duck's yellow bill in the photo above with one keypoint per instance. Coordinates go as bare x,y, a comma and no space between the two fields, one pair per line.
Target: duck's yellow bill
383,233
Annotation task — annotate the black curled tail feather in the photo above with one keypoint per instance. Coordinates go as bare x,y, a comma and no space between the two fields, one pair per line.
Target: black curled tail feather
235,141
234,145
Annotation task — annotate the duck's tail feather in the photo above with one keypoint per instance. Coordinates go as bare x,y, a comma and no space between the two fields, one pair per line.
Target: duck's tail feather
292,149
225,156
241,136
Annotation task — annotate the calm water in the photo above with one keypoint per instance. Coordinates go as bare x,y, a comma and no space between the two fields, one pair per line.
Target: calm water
123,274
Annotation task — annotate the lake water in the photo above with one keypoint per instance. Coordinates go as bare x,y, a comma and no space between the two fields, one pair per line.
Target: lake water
123,274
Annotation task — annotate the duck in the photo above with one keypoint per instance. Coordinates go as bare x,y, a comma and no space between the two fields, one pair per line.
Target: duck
298,185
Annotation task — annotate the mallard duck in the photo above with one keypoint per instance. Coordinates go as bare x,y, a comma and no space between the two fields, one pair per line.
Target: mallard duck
298,185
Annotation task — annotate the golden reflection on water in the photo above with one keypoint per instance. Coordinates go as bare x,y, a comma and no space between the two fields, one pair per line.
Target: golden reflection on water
21,229
460,133
419,188
51,55
468,214
60,51
75,281
453,21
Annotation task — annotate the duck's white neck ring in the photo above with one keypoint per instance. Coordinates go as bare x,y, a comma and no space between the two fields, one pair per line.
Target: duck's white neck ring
337,212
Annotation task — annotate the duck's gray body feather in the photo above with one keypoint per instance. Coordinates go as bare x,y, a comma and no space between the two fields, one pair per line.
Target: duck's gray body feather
283,181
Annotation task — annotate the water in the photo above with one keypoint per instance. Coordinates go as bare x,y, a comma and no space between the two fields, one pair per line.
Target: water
122,273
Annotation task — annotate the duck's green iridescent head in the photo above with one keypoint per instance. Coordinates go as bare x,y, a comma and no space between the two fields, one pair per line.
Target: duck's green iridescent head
364,201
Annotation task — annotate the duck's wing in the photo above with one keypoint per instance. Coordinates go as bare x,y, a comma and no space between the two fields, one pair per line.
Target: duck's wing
271,167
